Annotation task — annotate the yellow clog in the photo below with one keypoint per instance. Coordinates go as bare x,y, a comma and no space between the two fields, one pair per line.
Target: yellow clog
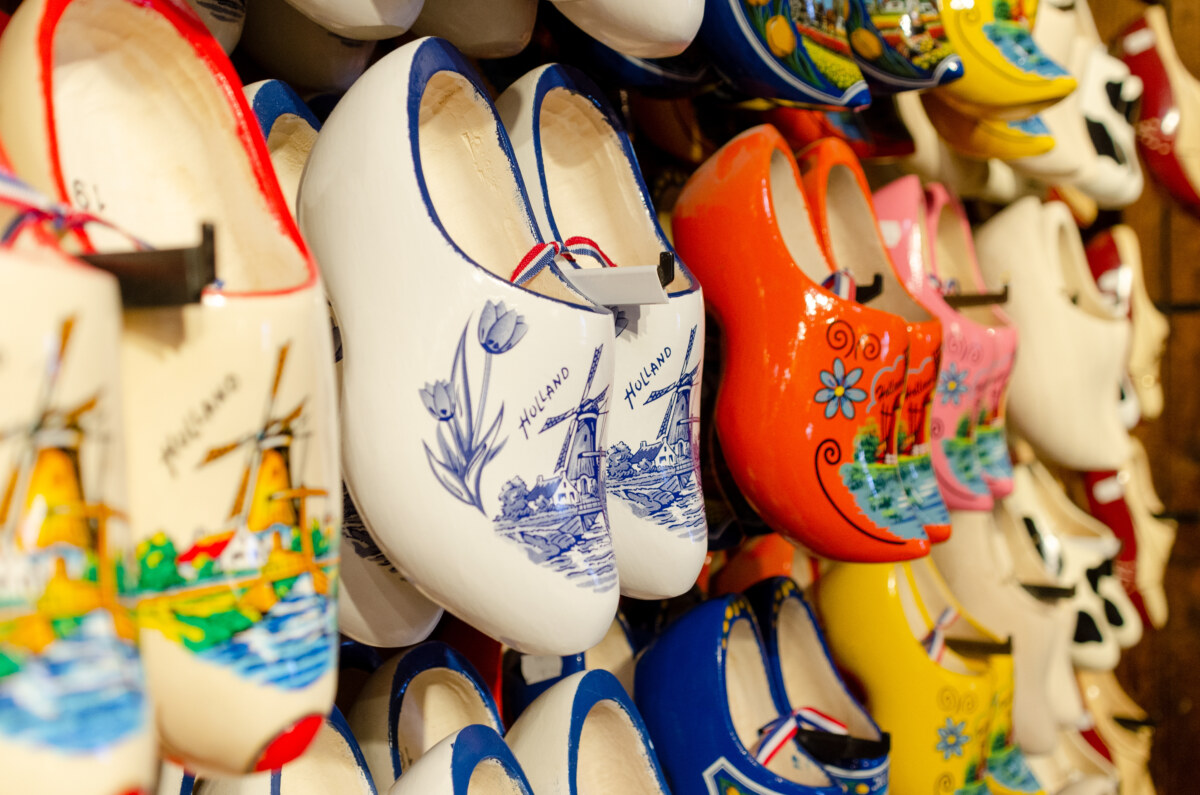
982,138
1007,74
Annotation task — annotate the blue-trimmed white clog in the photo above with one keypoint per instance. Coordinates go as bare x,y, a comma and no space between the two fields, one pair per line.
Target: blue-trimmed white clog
528,676
834,727
414,701
473,761
585,735
586,191
332,764
781,50
705,692
290,129
474,408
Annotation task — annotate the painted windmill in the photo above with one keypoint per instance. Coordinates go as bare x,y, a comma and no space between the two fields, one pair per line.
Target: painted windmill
40,504
579,456
262,499
676,424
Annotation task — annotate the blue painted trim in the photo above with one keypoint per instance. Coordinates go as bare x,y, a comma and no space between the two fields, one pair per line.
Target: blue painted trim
187,784
594,687
475,745
434,55
338,722
357,656
575,81
432,654
276,98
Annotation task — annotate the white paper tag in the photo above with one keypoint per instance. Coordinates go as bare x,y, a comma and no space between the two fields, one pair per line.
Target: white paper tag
618,286
535,668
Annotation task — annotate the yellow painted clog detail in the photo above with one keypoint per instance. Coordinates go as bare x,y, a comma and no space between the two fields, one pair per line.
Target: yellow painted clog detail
780,37
1006,75
866,44
938,714
983,138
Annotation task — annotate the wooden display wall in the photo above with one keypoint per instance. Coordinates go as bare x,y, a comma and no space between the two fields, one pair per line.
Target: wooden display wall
1162,673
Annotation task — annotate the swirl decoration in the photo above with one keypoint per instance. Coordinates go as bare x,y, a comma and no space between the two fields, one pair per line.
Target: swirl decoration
948,700
969,703
829,452
840,336
937,427
944,784
870,346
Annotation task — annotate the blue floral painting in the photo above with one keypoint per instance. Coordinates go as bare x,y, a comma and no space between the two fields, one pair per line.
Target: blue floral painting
952,738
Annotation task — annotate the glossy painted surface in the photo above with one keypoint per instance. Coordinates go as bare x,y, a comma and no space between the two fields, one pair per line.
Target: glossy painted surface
910,230
652,459
938,717
684,690
495,427
874,133
902,48
474,760
236,539
1007,74
1165,125
982,138
808,362
909,450
780,49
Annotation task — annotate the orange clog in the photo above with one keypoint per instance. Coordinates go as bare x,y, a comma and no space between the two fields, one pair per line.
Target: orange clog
812,382
840,201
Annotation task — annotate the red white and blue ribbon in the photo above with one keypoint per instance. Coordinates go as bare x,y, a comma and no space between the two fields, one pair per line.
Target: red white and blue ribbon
779,732
935,641
575,251
534,262
840,283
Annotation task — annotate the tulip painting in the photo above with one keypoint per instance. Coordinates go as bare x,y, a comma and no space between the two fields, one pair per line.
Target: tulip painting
466,441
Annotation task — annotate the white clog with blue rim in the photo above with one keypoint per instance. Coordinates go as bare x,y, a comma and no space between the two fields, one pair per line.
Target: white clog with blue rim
414,701
474,411
332,764
584,735
642,30
290,130
473,761
587,191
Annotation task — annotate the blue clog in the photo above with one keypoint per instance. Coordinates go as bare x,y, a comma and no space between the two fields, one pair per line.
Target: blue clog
705,693
841,734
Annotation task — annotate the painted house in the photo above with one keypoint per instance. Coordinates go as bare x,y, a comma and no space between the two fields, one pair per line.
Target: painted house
554,491
233,550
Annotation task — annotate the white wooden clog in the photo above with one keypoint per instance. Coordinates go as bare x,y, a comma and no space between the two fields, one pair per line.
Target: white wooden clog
586,190
479,28
476,463
642,30
132,109
472,761
365,20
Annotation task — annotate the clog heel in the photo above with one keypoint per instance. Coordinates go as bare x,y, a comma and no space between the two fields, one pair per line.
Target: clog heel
704,687
233,448
74,715
473,761
584,734
841,204
497,430
566,135
805,357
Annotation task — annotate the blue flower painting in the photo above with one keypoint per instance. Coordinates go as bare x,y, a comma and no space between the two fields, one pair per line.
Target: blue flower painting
839,391
952,738
952,384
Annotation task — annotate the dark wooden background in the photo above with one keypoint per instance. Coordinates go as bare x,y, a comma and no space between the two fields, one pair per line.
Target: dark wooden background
1163,672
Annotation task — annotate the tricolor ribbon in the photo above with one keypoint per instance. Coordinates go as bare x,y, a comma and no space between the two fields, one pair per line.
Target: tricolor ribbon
776,734
935,642
840,283
573,251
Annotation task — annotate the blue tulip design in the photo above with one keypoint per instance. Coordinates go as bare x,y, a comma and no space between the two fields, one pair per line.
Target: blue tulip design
439,400
500,329
839,390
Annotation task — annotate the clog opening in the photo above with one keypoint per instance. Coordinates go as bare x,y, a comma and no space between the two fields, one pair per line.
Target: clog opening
955,258
792,218
149,139
858,246
751,707
613,654
329,765
591,186
809,679
437,703
490,777
1036,554
925,599
472,182
1077,278
612,756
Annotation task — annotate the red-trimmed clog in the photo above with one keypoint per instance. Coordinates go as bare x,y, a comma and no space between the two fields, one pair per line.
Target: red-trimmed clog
844,217
796,414
1167,131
